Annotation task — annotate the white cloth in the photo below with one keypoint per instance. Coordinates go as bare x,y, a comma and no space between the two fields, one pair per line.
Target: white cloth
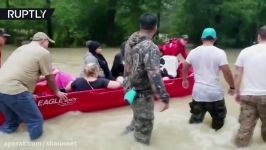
171,65
206,61
253,61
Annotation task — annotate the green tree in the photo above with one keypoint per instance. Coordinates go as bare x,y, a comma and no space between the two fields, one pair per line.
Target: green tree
112,21
233,20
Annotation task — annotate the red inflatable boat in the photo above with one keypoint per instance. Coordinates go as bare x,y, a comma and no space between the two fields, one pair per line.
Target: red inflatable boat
94,100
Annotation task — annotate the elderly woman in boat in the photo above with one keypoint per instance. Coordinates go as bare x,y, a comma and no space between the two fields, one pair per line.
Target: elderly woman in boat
91,80
94,55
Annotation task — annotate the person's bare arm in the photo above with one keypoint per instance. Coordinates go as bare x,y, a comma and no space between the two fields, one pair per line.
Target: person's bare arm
41,78
113,85
184,53
68,88
228,78
238,77
185,82
52,85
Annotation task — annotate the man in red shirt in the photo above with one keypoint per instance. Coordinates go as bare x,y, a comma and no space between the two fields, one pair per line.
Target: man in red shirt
169,62
175,47
3,36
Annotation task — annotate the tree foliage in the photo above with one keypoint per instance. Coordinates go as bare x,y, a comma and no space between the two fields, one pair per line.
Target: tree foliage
112,21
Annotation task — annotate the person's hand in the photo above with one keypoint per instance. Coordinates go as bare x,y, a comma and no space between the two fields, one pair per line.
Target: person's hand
231,91
185,83
164,106
237,96
41,78
61,95
35,96
120,79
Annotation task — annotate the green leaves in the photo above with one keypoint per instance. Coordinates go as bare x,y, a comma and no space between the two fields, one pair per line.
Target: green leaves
112,21
235,20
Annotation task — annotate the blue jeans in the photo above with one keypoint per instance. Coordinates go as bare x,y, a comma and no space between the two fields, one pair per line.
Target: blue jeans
21,106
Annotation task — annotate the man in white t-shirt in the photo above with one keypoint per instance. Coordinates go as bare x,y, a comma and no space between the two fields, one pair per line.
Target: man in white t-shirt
251,65
208,95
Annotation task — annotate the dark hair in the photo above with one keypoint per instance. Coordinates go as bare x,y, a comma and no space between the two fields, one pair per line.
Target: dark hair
262,32
148,21
92,46
209,38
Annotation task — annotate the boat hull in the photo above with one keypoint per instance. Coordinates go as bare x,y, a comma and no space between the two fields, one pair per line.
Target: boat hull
96,100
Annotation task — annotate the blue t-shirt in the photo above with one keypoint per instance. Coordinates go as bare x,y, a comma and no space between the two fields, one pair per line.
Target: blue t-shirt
81,84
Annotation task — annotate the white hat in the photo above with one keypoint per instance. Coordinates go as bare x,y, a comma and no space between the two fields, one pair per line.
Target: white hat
41,36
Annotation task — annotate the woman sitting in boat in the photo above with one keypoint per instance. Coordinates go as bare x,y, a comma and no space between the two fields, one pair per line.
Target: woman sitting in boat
91,80
62,80
94,55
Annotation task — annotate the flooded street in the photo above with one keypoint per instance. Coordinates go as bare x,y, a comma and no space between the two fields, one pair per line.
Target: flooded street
102,130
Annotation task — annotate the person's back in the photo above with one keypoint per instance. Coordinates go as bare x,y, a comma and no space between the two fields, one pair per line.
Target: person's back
91,80
250,67
81,84
206,61
253,59
136,52
21,69
208,95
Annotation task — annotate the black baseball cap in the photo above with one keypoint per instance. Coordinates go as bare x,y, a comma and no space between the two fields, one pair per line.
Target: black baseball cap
3,33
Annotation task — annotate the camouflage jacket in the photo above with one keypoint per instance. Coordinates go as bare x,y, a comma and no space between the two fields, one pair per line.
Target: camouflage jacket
142,66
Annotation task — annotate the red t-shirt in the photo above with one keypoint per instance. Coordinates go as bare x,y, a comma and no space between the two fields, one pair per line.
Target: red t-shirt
173,48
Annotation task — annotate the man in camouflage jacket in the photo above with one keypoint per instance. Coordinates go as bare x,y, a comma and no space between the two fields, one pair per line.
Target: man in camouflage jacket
142,73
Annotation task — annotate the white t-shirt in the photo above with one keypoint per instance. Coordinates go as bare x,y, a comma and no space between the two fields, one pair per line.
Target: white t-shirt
253,61
170,64
206,61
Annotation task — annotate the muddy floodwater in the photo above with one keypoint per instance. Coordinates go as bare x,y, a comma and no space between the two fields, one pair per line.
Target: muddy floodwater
102,130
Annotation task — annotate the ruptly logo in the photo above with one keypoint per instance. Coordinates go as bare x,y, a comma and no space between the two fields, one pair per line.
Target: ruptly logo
25,14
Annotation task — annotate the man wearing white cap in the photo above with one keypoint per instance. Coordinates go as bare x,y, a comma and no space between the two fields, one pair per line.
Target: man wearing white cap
208,95
18,77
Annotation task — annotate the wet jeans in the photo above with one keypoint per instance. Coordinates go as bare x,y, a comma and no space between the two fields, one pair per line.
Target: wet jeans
21,107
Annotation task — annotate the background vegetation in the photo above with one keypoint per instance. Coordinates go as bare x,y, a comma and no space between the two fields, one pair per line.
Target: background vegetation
112,21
